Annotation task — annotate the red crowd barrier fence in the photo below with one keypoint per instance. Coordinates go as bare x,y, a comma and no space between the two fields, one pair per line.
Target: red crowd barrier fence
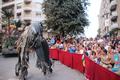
61,56
78,63
68,59
102,73
89,68
54,53
92,70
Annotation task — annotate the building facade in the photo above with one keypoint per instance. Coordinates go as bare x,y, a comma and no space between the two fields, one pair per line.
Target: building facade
0,14
25,10
109,18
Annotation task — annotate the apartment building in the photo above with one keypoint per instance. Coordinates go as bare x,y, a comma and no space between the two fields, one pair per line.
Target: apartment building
0,14
25,10
104,17
109,17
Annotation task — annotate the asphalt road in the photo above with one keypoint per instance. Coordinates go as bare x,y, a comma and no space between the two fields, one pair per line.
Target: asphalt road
61,72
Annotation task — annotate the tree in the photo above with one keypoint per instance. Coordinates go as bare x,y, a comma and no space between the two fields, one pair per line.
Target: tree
18,23
6,15
66,16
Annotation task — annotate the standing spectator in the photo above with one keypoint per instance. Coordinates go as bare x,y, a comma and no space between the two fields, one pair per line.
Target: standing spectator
116,59
52,41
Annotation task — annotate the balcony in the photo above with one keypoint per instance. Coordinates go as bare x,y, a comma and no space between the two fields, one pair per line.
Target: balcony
113,5
114,16
107,22
114,26
113,8
27,8
8,3
27,17
18,10
27,1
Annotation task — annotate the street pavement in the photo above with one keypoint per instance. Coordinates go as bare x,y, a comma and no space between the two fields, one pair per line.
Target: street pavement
61,72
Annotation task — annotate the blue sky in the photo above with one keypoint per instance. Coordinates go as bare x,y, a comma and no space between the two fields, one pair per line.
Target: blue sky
93,12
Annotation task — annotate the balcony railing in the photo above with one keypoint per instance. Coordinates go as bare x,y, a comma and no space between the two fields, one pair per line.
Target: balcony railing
112,4
113,8
18,10
114,16
27,16
114,26
8,3
27,1
27,8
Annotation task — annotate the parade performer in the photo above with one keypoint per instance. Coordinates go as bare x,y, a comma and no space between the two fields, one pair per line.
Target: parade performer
32,38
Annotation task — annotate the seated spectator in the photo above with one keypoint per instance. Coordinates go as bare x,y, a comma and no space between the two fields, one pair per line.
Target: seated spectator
89,51
65,46
60,46
72,49
105,62
116,59
80,49
93,56
52,41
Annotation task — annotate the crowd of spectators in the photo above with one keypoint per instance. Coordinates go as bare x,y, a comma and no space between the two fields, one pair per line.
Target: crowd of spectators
104,51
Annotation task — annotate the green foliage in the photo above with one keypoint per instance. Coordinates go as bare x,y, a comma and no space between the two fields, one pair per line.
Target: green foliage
9,42
6,15
18,23
114,32
67,16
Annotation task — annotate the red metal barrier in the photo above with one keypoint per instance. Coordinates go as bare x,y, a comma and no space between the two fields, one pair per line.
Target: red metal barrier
54,54
93,71
89,68
77,62
102,73
68,59
61,56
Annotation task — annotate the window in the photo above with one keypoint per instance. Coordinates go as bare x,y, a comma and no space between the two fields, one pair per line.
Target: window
19,6
19,14
114,18
111,1
113,8
38,13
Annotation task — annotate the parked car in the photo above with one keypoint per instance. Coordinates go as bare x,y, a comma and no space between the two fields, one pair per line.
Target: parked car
9,51
8,46
1,36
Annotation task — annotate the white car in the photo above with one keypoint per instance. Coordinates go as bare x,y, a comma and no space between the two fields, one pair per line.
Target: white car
9,51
